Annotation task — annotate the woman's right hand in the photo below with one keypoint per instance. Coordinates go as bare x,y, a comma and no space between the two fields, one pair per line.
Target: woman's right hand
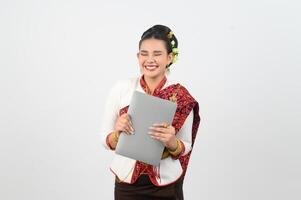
124,124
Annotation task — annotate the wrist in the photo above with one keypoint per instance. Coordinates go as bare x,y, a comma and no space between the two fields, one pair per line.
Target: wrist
177,150
174,145
115,136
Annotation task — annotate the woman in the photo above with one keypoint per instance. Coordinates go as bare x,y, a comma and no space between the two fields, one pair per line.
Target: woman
135,179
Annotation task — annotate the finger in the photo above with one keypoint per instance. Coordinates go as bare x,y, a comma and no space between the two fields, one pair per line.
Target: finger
156,129
128,123
130,128
126,130
129,119
125,126
156,138
160,139
157,134
159,124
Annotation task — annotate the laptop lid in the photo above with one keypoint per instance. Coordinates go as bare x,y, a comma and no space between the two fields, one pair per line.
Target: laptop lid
145,110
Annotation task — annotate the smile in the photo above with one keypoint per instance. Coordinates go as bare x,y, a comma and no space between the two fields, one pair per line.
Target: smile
151,67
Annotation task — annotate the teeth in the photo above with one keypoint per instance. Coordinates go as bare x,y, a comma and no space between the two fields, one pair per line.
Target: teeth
150,67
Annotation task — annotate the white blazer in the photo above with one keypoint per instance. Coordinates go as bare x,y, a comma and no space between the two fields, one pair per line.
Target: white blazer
119,97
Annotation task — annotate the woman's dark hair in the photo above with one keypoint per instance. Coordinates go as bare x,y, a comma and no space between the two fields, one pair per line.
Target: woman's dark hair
161,32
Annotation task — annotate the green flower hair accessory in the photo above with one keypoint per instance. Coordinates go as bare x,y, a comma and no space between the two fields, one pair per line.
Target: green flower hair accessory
175,58
174,49
169,35
175,53
173,43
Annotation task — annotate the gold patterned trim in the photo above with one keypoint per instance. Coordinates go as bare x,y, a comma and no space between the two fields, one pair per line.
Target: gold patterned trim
115,136
178,149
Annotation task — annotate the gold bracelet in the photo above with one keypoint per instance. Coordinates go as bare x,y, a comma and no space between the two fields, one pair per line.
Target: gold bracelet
115,136
165,153
178,150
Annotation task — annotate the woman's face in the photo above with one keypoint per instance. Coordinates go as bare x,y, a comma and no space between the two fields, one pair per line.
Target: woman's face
153,58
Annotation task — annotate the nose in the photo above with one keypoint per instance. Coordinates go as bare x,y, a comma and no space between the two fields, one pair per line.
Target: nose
150,59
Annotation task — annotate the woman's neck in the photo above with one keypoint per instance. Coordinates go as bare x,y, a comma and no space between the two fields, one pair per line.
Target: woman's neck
152,83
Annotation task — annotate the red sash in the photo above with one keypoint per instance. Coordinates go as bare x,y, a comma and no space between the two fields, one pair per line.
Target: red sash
185,104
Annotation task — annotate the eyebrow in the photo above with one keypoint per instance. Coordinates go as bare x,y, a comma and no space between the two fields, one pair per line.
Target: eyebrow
144,51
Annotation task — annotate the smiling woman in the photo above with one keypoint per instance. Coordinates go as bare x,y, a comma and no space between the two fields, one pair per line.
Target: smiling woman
158,50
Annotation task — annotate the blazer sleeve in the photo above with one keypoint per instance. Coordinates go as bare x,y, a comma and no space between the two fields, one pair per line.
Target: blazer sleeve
185,134
111,112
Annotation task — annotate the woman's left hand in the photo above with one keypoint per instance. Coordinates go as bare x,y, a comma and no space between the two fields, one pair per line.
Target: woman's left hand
164,133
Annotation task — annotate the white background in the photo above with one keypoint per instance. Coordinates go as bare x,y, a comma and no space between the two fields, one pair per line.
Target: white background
240,60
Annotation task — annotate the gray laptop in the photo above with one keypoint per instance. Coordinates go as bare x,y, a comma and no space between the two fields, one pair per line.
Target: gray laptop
145,110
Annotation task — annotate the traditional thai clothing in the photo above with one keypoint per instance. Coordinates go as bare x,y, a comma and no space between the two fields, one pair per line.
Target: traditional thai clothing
135,179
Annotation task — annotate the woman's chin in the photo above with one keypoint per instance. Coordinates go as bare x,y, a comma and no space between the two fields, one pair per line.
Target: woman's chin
150,72
149,75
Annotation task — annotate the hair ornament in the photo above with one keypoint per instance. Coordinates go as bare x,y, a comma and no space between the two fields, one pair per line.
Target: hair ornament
173,43
174,49
175,58
169,35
